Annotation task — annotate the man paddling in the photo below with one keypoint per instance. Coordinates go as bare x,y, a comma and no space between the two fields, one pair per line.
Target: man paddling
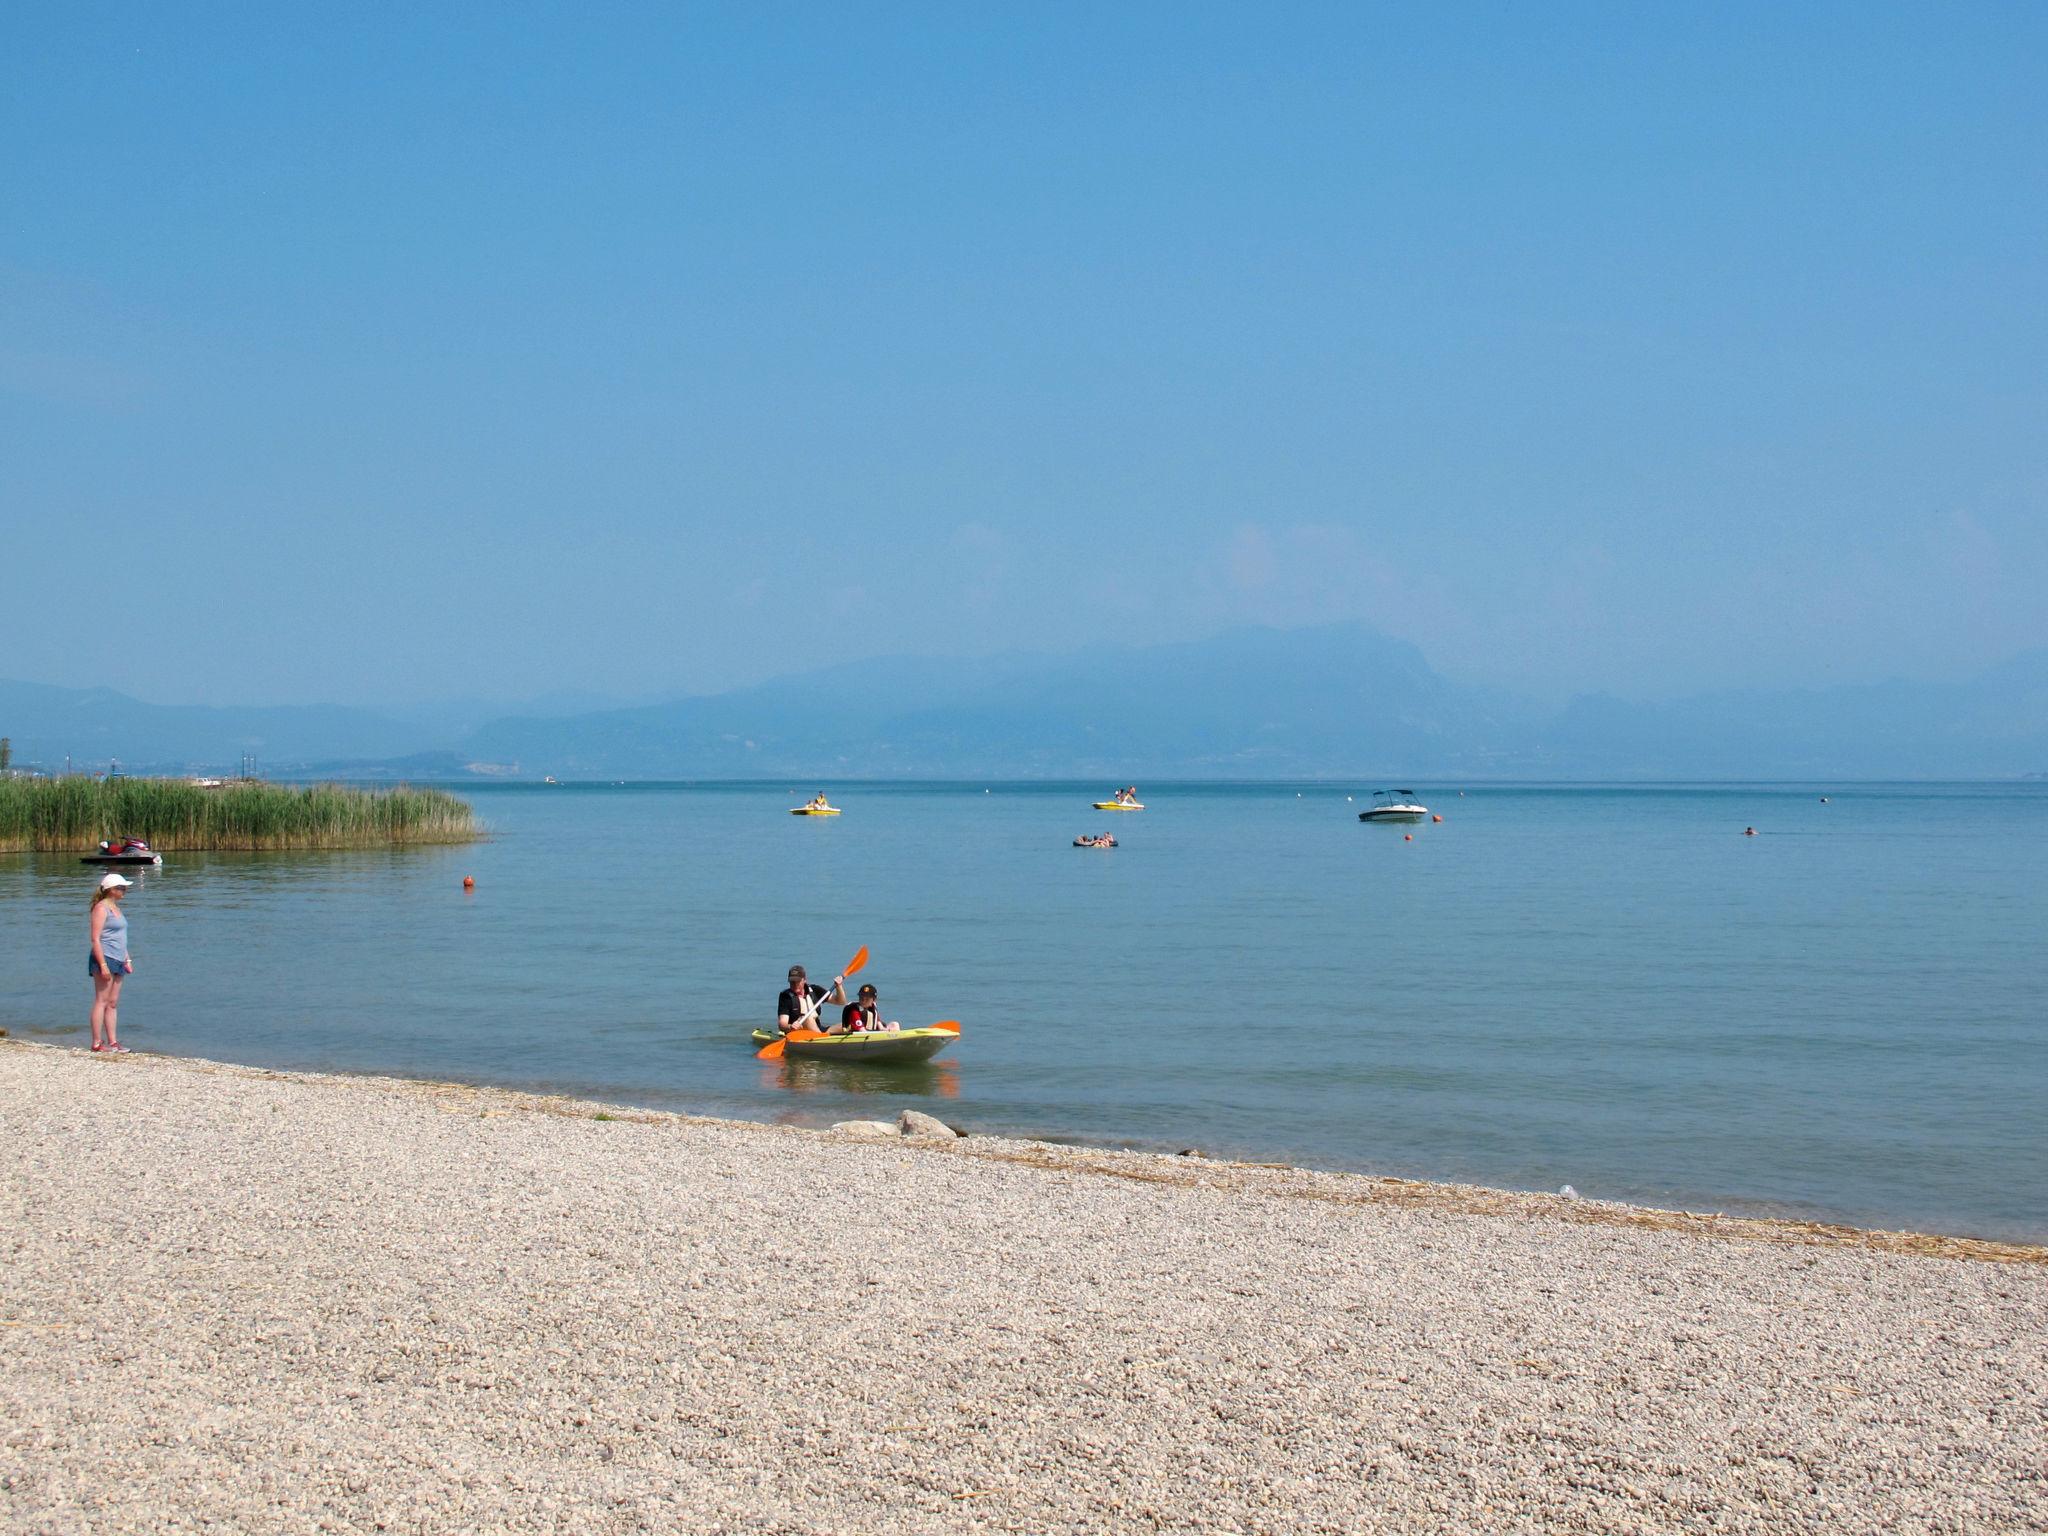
798,1004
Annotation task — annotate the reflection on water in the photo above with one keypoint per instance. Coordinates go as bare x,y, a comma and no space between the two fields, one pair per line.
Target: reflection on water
1610,987
916,1079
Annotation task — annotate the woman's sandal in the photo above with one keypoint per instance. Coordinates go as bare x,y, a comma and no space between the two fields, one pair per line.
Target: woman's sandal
117,1050
97,1046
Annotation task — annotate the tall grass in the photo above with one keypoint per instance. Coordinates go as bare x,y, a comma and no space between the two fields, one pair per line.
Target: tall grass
74,814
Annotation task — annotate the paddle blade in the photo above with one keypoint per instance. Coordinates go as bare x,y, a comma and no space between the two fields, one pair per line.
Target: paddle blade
772,1051
950,1026
856,962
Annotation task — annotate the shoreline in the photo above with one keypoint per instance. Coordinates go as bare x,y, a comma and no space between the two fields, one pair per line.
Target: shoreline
1289,1181
293,1302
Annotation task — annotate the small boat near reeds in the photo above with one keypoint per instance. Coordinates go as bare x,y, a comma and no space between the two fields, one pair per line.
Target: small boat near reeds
124,850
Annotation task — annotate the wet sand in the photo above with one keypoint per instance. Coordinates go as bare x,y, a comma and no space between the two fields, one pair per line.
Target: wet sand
297,1303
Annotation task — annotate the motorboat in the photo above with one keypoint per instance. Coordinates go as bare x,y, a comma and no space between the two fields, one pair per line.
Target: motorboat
1394,805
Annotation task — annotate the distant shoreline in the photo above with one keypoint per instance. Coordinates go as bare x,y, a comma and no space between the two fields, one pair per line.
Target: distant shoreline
1430,783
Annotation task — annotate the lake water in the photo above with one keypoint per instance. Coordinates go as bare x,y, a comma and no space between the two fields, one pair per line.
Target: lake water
1841,1017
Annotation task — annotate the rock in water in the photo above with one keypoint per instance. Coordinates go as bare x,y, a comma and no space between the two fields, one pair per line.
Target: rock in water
915,1123
865,1128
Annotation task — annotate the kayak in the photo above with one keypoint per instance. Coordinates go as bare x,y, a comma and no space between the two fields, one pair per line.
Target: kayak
877,1045
815,810
151,859
1119,805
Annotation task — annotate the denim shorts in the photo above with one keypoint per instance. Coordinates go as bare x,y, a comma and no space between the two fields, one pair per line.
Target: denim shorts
114,967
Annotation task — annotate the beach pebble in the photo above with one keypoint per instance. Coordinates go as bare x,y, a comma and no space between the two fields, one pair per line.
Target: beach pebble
916,1123
291,1303
865,1128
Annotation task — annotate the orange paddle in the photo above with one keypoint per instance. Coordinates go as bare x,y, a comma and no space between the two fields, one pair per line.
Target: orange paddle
772,1051
950,1026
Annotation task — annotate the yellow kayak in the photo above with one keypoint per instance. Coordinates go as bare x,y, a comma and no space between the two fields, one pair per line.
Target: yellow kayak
882,1045
1119,805
815,810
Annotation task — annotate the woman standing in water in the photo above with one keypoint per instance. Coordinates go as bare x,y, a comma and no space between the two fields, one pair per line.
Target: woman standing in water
109,963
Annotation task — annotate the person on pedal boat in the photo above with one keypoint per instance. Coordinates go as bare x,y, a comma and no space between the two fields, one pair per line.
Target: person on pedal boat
798,1004
863,1014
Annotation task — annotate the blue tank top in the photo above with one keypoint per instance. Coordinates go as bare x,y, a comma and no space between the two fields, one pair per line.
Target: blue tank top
114,934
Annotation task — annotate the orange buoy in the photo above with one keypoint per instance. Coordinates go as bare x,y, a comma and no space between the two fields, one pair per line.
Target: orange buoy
1436,818
1407,837
469,882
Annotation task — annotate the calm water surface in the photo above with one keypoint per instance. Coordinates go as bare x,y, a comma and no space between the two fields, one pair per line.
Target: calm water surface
1611,987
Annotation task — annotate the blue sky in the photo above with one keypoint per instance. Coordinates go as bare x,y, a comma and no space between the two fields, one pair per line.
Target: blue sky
497,351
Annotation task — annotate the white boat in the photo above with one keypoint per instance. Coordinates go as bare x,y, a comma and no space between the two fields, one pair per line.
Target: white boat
1394,805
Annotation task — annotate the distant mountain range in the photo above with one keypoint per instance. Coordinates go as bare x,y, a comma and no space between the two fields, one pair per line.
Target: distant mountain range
1339,702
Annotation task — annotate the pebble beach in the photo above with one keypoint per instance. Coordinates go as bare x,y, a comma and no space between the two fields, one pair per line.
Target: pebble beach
245,1300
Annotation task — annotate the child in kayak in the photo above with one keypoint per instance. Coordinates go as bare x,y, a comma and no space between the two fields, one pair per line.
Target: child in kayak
863,1014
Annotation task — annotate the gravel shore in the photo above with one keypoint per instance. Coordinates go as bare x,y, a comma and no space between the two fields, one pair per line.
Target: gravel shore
254,1301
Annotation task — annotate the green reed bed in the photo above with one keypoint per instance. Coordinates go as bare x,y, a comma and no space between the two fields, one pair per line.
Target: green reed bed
73,814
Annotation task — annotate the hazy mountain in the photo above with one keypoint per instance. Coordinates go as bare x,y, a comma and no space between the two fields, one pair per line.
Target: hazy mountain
1249,703
1993,725
93,725
1342,701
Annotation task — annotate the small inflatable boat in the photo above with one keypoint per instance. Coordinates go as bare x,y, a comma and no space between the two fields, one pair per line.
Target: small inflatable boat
873,1046
1104,841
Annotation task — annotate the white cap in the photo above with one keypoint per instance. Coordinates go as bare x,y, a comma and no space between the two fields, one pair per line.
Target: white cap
111,881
